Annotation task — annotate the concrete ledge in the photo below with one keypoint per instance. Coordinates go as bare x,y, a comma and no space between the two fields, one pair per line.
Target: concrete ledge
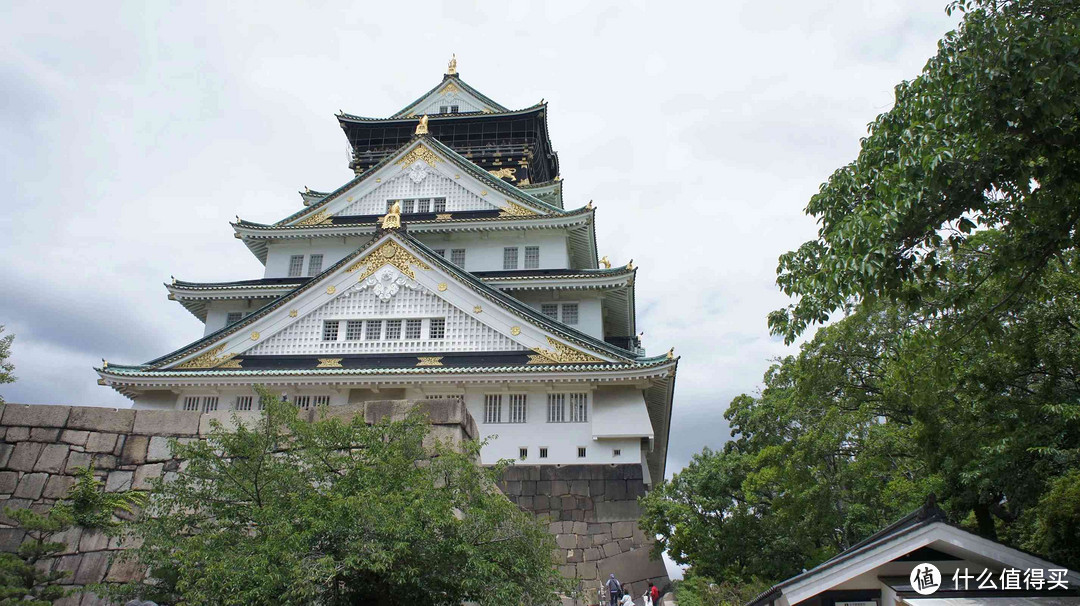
114,420
166,423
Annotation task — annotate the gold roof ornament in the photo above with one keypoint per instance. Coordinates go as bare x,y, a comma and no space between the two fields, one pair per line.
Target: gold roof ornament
671,354
589,205
604,261
392,220
421,129
451,68
630,265
104,363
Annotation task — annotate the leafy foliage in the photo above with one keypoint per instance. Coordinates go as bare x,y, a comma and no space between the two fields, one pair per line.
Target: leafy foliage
986,137
89,506
696,590
6,367
286,511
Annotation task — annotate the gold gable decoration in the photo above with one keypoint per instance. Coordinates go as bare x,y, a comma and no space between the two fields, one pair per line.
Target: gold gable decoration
450,88
419,152
429,361
388,253
562,354
318,218
211,358
230,363
516,210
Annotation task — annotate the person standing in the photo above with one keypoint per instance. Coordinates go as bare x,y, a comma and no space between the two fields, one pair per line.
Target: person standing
614,588
654,594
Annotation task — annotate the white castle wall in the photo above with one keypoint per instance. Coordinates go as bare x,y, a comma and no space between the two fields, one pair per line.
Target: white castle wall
434,184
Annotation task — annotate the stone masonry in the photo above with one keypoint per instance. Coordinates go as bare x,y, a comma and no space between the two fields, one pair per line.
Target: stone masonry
592,510
40,446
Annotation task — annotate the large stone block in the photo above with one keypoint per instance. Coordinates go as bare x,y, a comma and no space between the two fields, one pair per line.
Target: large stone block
58,486
35,415
634,567
31,485
158,449
74,437
93,568
76,460
24,456
134,451
124,570
68,564
101,442
5,453
17,434
617,511
228,420
118,481
113,420
52,458
8,481
622,530
10,539
44,434
566,541
166,423
93,540
144,474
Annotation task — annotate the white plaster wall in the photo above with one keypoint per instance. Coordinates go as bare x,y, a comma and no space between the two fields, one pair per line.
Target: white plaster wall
590,308
159,400
403,186
620,411
464,101
217,311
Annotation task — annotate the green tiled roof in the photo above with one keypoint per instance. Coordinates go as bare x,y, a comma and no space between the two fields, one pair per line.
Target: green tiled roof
459,82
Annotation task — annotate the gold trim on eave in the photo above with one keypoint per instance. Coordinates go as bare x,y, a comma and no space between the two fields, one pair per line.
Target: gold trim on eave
429,361
329,363
231,363
561,354
516,210
318,218
388,253
210,358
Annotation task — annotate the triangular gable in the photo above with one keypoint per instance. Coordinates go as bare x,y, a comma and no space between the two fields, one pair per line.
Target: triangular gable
451,91
423,168
491,314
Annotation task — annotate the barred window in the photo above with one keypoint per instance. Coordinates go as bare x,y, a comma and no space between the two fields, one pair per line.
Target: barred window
510,257
373,330
556,408
453,109
407,206
242,403
532,257
321,400
569,313
330,330
437,328
412,329
233,317
581,452
393,329
517,407
209,403
440,205
493,408
579,407
523,453
442,109
457,257
296,266
354,330
314,266
302,401
543,452
550,310
423,205
616,452
191,403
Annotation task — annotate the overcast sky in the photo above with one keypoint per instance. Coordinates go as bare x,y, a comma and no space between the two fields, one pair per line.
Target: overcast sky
131,136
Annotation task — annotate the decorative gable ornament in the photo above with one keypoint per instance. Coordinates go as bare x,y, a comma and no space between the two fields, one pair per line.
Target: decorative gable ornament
388,253
386,283
417,172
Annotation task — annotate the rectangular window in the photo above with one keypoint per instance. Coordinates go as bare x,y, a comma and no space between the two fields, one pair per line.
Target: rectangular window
523,453
321,400
423,205
510,257
532,257
517,407
393,329
441,252
296,266
242,403
569,313
209,404
191,403
543,452
412,329
233,317
579,407
354,330
556,408
550,310
457,257
442,109
493,408
329,330
453,109
581,452
302,401
314,266
373,330
407,206
617,452
440,205
437,328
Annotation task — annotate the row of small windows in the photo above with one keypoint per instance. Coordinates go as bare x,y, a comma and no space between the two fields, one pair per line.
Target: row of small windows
383,330
457,255
532,257
247,403
582,452
449,109
296,265
561,408
567,313
411,206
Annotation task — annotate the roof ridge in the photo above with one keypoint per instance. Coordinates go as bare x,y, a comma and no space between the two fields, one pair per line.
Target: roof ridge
481,96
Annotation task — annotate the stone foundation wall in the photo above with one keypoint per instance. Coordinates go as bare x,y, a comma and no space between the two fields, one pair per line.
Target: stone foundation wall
592,510
40,446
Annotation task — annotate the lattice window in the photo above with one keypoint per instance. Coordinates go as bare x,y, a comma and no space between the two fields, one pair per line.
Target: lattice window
579,407
570,313
373,330
543,452
242,403
439,205
510,257
437,328
434,185
493,408
314,266
393,329
423,205
302,401
330,330
209,403
457,257
296,266
454,109
354,330
532,257
556,408
518,407
233,317
191,403
412,329
550,310
321,400
408,207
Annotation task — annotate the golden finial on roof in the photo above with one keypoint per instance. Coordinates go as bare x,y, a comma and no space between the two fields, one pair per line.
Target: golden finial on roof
604,261
392,220
630,265
306,190
451,69
589,205
421,129
104,363
173,279
671,354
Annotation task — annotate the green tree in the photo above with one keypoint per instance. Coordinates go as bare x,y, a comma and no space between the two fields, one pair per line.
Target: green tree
6,367
988,136
286,511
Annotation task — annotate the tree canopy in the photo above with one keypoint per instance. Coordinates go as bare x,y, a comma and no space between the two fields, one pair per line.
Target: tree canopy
988,136
6,367
330,512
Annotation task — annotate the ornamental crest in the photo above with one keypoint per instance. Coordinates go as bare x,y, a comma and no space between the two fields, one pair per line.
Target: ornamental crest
417,172
387,253
386,283
419,153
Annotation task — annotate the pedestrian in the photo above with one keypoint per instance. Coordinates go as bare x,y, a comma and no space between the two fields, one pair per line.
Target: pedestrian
654,594
614,588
